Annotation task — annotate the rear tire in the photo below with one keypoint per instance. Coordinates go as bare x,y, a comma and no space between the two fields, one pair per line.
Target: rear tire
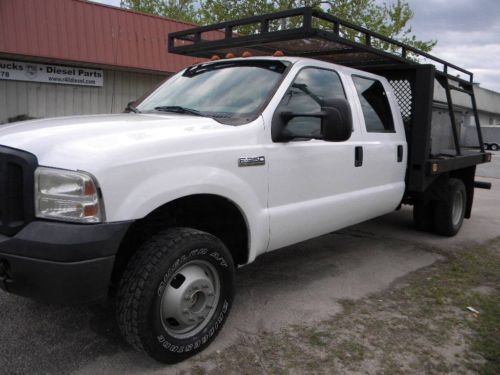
176,294
486,146
494,147
450,211
423,215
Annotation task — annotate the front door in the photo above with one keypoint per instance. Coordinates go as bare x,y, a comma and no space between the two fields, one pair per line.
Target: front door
313,184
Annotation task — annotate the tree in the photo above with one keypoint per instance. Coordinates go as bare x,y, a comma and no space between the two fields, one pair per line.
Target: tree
184,10
389,19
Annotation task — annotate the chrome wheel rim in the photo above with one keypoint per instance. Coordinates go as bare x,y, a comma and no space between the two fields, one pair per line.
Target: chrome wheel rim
190,299
458,208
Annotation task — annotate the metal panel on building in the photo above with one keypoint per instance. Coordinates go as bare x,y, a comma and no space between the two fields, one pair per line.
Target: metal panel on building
35,99
84,32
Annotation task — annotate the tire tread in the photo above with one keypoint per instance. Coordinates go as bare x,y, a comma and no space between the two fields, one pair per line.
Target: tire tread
134,281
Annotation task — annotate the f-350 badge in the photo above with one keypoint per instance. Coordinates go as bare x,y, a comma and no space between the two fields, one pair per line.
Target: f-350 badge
251,161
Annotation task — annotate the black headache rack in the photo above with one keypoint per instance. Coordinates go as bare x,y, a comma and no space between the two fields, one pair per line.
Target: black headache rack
306,32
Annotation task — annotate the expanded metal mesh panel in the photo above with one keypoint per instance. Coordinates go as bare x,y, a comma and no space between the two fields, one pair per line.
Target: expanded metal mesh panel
404,95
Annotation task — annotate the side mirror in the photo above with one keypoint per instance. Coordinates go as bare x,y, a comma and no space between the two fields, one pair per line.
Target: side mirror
336,123
130,107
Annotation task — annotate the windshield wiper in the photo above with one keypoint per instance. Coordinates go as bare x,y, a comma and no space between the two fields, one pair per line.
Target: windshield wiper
179,109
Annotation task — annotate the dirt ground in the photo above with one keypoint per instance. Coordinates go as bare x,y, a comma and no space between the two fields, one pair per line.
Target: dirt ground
444,319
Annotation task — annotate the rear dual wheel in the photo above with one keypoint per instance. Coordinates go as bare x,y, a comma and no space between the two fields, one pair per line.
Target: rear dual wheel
445,216
449,212
175,294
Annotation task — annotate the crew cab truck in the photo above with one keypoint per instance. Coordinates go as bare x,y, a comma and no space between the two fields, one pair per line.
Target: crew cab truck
225,161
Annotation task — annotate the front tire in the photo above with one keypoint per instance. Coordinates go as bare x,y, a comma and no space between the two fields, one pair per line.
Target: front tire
449,212
176,294
494,147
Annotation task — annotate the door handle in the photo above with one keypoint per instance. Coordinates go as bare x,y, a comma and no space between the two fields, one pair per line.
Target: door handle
358,156
400,153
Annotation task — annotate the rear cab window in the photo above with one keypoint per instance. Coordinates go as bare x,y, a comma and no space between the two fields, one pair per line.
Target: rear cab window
375,105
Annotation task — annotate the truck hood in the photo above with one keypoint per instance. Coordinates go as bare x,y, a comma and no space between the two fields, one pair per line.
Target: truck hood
66,142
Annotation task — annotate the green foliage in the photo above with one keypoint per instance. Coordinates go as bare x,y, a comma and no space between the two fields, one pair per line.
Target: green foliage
184,10
389,19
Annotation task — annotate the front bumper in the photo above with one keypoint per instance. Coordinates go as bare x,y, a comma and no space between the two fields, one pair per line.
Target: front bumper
59,262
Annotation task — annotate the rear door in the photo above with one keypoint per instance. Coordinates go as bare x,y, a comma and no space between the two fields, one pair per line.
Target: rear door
317,186
384,143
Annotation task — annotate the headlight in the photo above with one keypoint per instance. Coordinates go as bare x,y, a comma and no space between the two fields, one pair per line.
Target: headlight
67,195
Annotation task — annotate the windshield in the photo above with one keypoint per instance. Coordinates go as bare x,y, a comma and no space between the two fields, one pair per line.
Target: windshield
232,92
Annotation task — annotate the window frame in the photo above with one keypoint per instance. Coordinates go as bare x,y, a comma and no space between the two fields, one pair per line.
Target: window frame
292,82
385,131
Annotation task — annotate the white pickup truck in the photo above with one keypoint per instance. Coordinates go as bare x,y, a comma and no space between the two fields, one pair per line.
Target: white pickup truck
223,162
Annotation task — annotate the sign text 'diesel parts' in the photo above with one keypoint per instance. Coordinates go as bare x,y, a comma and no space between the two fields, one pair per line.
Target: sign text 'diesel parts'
35,72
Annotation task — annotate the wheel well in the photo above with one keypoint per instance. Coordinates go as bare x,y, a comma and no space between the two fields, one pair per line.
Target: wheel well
210,213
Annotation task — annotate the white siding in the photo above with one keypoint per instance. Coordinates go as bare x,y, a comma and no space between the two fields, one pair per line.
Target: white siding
48,100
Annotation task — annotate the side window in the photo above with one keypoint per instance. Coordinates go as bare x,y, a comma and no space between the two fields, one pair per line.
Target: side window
306,95
375,105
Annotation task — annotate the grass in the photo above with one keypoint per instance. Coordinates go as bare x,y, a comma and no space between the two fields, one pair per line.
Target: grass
421,324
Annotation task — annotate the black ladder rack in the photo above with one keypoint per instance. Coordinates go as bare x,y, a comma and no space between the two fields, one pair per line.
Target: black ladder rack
307,32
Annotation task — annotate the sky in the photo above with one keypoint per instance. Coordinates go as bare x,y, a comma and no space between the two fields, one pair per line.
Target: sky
467,31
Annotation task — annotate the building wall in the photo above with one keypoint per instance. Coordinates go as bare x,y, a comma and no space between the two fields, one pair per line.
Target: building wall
85,32
488,103
491,134
48,100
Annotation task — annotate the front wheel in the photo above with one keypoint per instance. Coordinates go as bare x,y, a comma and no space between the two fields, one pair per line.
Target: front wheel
494,147
449,212
175,294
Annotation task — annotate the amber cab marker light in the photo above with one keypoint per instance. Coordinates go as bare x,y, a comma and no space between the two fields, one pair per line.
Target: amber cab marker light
246,54
215,57
230,55
434,167
278,53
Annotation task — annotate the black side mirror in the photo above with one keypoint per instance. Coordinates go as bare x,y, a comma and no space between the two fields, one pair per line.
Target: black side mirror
336,123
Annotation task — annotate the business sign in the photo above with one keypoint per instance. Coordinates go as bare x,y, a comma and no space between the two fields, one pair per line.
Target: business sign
65,75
